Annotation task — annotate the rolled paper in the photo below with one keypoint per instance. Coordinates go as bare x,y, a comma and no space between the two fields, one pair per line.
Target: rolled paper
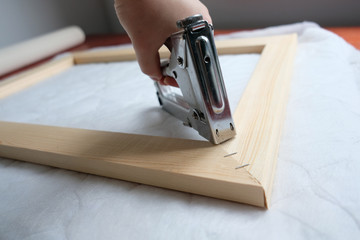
35,49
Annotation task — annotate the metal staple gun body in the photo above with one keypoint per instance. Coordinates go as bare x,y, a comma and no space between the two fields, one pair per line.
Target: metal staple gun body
195,66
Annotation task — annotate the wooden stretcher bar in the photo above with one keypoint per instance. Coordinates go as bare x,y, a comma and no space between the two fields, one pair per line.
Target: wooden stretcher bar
240,170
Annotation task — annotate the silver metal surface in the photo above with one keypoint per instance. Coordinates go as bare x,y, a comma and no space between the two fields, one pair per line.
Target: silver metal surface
195,66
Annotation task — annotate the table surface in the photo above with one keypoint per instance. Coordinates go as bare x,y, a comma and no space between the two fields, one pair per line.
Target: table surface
316,193
350,34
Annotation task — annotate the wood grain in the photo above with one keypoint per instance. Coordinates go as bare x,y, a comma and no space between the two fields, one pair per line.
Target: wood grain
33,76
184,165
112,55
202,168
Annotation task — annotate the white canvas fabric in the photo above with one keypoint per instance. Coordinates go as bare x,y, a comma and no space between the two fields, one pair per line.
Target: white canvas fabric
316,192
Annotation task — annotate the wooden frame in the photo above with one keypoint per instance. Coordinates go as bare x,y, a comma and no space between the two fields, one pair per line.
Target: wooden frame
240,170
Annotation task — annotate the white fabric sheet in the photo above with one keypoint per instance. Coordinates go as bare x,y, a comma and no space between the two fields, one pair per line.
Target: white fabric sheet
316,191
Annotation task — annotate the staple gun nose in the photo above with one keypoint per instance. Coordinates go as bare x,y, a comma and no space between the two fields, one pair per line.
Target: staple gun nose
194,64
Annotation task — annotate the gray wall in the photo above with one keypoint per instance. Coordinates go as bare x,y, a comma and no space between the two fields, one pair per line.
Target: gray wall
263,13
232,14
22,19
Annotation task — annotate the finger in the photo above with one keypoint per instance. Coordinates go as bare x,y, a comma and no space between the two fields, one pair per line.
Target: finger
206,16
167,80
149,62
150,65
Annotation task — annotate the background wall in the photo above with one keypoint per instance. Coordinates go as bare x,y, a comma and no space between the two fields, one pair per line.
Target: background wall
22,19
262,13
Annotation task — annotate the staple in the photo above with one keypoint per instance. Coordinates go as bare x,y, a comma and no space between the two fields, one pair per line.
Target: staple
230,154
245,165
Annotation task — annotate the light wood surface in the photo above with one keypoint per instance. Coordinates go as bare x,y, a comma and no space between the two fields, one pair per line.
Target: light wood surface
260,114
350,34
111,55
128,54
33,76
185,165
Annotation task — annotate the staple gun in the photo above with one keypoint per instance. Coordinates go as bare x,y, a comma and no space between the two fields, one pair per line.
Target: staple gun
194,64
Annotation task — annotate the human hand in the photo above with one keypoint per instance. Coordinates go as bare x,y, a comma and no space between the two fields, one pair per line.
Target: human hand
149,23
